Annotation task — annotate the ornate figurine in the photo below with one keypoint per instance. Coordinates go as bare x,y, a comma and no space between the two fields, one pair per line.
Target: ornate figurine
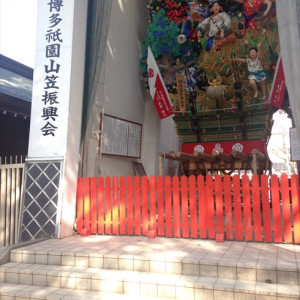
255,69
218,25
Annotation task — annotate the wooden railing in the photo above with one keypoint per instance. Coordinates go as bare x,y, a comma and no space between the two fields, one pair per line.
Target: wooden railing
261,209
11,183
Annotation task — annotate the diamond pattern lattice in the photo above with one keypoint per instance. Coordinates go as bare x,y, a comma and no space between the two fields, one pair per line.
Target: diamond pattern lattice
41,200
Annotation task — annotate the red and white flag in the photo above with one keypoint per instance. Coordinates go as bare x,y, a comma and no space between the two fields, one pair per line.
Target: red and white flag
157,87
278,86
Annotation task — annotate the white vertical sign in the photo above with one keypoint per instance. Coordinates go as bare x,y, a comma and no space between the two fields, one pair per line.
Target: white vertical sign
51,81
295,144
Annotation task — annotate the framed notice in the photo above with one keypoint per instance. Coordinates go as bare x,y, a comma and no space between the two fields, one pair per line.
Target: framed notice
120,137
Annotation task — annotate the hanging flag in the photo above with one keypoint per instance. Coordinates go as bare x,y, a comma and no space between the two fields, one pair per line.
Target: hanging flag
158,90
278,86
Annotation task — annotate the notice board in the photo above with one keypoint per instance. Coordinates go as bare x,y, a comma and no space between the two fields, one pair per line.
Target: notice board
120,137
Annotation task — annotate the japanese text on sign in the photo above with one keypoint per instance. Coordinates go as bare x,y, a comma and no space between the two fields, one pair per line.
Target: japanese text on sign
50,98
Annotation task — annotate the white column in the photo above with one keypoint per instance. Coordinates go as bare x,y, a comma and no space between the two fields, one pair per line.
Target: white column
288,15
55,126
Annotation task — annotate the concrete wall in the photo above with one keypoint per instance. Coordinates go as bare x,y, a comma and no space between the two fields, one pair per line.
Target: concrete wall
121,93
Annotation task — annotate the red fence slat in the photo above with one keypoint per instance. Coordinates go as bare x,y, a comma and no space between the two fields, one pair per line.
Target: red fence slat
238,223
209,190
247,208
193,207
93,205
286,209
152,195
108,206
129,199
266,208
295,197
184,207
100,191
145,206
80,208
256,208
176,207
122,204
137,206
160,206
115,208
202,207
168,208
86,204
219,204
228,207
276,209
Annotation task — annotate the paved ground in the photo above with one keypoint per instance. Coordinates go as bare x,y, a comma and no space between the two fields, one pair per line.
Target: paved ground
247,254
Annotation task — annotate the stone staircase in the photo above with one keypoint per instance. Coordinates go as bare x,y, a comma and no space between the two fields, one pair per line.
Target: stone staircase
100,271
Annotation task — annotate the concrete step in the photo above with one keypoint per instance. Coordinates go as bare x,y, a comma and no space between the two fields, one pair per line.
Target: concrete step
136,283
22,292
257,271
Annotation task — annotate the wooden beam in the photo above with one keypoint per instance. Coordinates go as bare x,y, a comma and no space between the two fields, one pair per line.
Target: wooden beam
185,156
203,156
172,157
240,155
222,156
259,156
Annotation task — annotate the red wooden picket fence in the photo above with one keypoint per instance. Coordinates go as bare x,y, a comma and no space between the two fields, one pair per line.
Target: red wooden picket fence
263,209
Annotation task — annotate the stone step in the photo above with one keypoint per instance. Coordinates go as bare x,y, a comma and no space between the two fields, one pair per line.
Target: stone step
141,283
264,271
22,292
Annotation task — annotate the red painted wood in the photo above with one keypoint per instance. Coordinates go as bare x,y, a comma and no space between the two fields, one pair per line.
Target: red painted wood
276,208
108,206
238,223
210,207
247,208
130,205
87,204
176,207
145,206
152,194
286,212
184,207
160,206
219,204
115,208
168,208
80,208
295,199
266,208
193,207
137,206
93,205
202,207
100,192
122,203
256,208
228,207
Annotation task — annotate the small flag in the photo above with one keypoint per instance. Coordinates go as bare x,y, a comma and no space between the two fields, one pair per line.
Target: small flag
278,86
157,87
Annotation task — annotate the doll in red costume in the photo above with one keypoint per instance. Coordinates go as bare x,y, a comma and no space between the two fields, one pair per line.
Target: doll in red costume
252,9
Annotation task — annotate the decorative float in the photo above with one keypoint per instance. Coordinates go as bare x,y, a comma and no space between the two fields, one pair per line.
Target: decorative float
218,61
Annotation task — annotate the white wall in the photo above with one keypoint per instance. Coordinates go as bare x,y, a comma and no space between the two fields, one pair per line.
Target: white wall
121,93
